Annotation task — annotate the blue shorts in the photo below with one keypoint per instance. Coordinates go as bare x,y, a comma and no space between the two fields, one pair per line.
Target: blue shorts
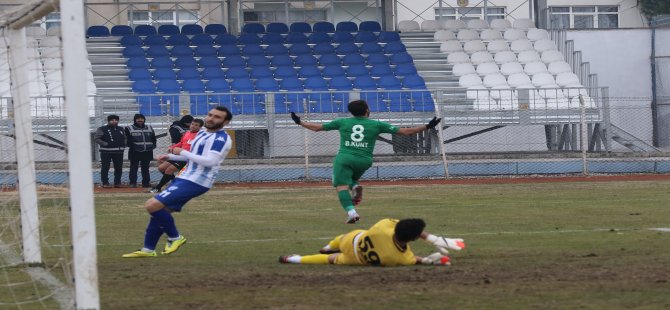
179,193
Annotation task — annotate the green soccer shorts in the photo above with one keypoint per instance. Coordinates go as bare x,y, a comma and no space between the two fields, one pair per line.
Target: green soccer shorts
349,168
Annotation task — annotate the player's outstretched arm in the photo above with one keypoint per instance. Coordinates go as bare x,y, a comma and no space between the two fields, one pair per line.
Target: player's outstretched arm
443,244
408,131
308,125
433,259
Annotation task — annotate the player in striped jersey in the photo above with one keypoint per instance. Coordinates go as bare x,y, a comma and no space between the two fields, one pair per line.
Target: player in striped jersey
208,150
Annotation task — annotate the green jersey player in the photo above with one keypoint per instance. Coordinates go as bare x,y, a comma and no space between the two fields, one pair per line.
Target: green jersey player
358,135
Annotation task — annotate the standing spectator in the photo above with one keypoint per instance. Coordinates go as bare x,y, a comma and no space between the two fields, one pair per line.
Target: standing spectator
141,143
178,128
112,142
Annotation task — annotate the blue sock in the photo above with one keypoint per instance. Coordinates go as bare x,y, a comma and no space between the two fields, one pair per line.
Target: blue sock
166,221
153,234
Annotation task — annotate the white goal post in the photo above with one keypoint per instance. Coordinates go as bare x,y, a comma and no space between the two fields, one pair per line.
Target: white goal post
84,251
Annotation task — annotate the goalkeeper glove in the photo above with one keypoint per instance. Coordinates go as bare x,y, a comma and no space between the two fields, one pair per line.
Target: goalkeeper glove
295,118
444,244
433,122
436,259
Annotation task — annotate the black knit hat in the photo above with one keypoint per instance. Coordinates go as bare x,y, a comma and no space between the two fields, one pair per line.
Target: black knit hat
186,119
138,116
111,117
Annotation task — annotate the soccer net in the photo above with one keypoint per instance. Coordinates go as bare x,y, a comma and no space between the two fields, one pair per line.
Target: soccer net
40,265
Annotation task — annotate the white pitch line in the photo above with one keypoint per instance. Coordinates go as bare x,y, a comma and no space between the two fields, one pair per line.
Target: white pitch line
454,234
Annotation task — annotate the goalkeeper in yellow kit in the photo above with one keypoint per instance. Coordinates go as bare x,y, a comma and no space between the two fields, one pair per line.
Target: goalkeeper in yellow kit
384,244
358,135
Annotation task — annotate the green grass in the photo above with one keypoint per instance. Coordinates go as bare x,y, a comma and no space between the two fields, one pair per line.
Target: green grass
545,245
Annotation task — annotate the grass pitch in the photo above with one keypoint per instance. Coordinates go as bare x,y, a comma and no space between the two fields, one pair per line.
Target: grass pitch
549,245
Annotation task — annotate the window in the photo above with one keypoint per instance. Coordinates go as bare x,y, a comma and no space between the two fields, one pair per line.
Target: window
157,18
583,17
469,13
265,17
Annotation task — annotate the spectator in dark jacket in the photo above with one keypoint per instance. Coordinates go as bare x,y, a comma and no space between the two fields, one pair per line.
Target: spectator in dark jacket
141,143
112,141
178,128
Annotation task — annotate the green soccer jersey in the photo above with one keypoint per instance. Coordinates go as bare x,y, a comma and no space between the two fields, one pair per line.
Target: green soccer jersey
359,134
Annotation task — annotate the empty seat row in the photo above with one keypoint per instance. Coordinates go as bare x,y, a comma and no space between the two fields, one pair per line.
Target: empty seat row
497,46
250,38
524,57
491,35
344,26
455,24
510,68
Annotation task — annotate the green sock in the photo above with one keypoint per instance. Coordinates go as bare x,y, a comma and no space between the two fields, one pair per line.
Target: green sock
353,184
345,200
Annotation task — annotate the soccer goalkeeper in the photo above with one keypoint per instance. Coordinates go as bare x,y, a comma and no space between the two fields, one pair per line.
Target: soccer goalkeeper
384,244
358,135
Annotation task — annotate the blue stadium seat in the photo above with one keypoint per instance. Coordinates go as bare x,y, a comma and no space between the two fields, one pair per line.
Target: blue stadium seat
133,51
401,58
319,97
285,72
330,59
357,70
272,38
209,61
121,30
215,29
171,88
249,38
144,87
218,85
300,27
365,83
188,74
97,31
396,100
299,49
370,25
234,61
185,62
157,51
178,40
389,36
342,87
155,39
394,47
267,84
261,73
333,71
191,29
405,69
138,63
181,51
347,26
165,74
167,30
346,49
305,60
246,101
196,90
418,96
377,59
296,37
220,95
319,37
202,39
323,27
276,49
205,51
309,71
324,49
253,28
380,70
292,99
145,30
281,60
369,92
213,73
371,48
131,40
225,39
353,59
148,102
229,50
365,36
342,36
277,28
258,61
237,73
139,74
252,49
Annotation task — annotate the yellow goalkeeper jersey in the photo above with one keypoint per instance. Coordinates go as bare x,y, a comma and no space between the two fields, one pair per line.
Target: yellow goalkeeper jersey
375,246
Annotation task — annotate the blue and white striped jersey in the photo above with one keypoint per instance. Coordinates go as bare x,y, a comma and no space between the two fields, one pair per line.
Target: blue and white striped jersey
208,150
